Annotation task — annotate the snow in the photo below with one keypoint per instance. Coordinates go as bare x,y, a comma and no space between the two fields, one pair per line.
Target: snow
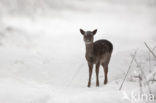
42,57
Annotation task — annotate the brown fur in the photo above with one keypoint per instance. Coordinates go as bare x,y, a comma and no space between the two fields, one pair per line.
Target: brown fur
98,53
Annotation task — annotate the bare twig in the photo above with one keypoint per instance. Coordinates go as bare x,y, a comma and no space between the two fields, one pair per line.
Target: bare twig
140,84
150,49
143,74
128,70
149,58
153,79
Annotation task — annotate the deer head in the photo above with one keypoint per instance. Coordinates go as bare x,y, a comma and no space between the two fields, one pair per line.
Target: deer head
88,36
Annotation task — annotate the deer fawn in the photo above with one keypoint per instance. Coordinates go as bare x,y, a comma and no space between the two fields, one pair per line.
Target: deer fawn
98,53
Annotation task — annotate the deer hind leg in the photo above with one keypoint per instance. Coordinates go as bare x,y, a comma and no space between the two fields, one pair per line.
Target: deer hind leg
90,73
105,67
97,74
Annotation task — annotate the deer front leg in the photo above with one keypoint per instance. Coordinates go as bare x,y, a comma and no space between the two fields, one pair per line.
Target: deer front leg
97,74
90,73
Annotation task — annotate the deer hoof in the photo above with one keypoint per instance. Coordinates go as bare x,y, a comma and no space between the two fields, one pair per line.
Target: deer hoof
88,85
97,84
105,82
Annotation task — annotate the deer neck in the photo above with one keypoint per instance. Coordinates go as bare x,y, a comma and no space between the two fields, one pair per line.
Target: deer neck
89,50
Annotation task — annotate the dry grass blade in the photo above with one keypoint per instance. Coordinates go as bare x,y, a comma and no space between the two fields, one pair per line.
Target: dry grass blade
128,70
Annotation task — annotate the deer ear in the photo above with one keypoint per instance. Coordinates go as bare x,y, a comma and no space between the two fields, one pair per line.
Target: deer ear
82,31
94,32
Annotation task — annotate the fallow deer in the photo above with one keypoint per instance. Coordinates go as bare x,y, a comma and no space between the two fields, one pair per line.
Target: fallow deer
98,53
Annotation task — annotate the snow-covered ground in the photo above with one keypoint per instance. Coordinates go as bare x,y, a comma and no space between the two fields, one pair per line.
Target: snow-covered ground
42,58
